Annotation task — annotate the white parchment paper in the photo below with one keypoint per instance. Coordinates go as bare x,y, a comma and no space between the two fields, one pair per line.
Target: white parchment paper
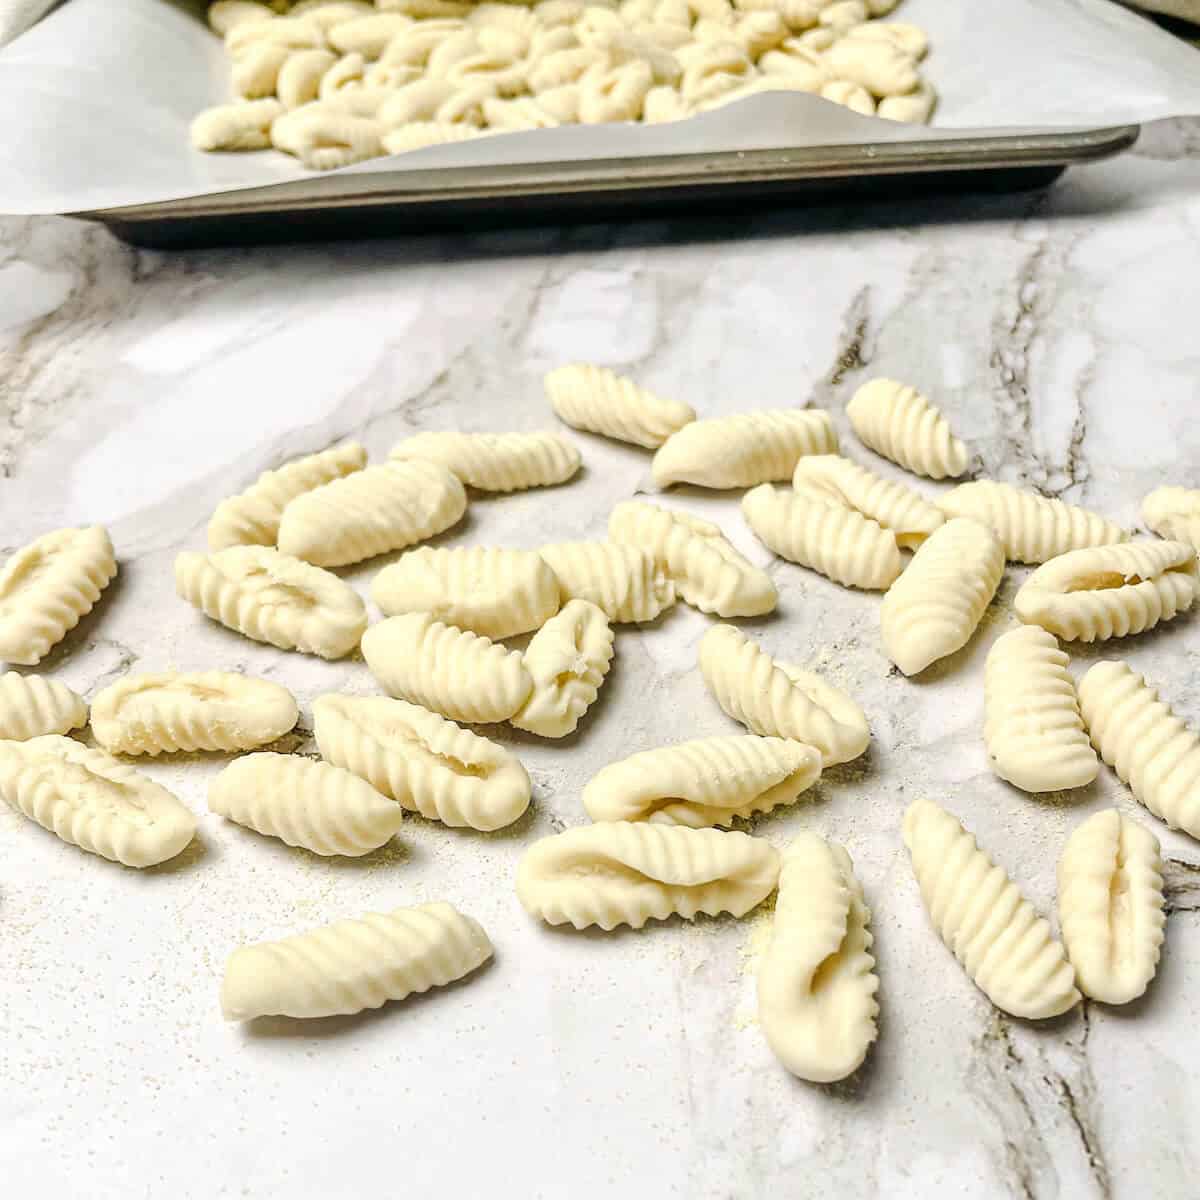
95,101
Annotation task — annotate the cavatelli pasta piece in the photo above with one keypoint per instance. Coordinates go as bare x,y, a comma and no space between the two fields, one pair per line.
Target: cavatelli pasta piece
368,35
353,965
251,518
451,671
817,982
1148,746
898,422
567,659
299,80
498,593
416,135
203,710
328,13
823,535
1031,528
305,803
324,136
1110,591
877,64
627,873
224,15
744,449
31,706
906,513
624,582
92,801
292,33
936,605
1034,733
980,914
914,109
496,462
776,699
242,125
707,571
561,67
371,512
1174,512
849,95
274,598
47,587
256,71
709,781
614,93
598,400
1111,906
422,761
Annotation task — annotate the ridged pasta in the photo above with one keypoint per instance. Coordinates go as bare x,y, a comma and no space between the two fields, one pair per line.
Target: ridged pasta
1110,591
451,671
817,982
707,571
224,15
909,516
627,873
32,706
823,535
251,518
1111,906
304,803
203,710
367,35
776,699
1174,512
274,598
598,400
981,916
935,606
1149,747
240,125
624,582
708,781
371,512
496,462
93,801
1031,528
568,659
422,761
352,965
898,422
1034,733
744,449
47,587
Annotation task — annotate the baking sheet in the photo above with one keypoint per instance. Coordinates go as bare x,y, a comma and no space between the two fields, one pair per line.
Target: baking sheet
96,100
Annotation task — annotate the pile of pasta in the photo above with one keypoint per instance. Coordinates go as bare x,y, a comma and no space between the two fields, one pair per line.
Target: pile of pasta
660,841
335,82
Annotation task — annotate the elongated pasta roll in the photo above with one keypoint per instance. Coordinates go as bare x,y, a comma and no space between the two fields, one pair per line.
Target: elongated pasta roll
568,660
48,587
427,9
255,72
817,982
664,104
451,671
1110,591
758,32
251,518
898,422
289,33
707,571
935,606
371,512
325,138
419,134
556,13
224,15
797,14
776,699
1034,733
31,706
743,450
708,781
843,15
93,801
496,462
352,965
609,94
910,39
712,68
980,914
367,35
242,125
299,80
906,513
881,66
624,582
204,710
561,103
560,67
304,803
914,109
1174,513
271,597
804,68
823,535
416,43
422,761
1031,528
513,116
498,593
627,873
849,95
418,101
598,400
1111,906
328,13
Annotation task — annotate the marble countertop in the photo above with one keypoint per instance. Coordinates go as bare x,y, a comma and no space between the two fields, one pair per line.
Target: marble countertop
138,389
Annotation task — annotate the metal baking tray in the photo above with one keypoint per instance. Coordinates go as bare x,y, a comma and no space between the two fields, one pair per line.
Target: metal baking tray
465,199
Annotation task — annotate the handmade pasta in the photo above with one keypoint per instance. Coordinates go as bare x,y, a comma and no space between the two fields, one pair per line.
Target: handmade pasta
32,706
624,582
898,422
496,462
1174,513
598,400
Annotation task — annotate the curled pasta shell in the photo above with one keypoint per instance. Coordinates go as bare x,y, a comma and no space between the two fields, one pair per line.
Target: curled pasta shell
625,583
496,462
898,422
598,400
242,125
31,706
1174,512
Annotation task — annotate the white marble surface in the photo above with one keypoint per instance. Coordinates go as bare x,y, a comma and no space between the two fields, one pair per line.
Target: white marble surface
137,389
